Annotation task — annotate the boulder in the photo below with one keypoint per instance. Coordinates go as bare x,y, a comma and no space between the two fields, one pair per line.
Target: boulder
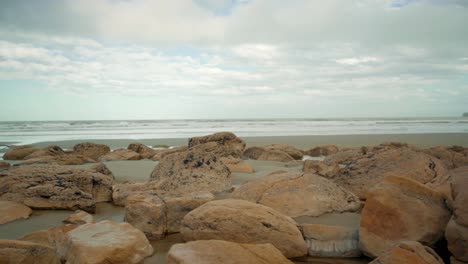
11,211
191,171
92,150
4,165
298,194
156,216
223,144
65,159
55,187
345,156
409,252
244,222
361,174
237,165
275,155
400,209
452,157
324,150
102,168
48,151
457,239
253,152
331,241
321,168
79,218
53,237
144,151
106,242
165,152
295,153
274,152
15,251
19,153
121,191
120,154
219,251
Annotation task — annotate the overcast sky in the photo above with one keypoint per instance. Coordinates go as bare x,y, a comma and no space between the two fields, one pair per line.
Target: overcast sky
181,59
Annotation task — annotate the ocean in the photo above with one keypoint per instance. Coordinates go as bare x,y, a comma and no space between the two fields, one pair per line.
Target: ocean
40,131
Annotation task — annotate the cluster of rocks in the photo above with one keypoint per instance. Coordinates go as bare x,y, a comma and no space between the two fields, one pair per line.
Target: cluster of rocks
409,199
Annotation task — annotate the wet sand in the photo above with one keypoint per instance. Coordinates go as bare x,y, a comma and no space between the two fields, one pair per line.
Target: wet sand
140,171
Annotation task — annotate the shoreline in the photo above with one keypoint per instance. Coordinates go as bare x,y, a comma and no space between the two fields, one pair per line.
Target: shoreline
303,142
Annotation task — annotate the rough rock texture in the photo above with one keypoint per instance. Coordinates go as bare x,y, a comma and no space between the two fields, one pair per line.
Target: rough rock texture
345,156
237,165
331,241
165,152
144,151
191,171
321,168
409,252
275,155
298,194
55,187
295,153
219,251
325,150
360,175
106,242
19,153
65,159
452,157
223,144
14,251
11,211
156,215
102,168
457,229
53,237
244,222
48,151
79,218
4,164
94,151
120,154
253,152
400,209
121,191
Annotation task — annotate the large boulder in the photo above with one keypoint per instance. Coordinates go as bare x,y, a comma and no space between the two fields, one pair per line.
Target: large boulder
19,153
298,194
191,171
144,151
321,168
400,209
223,144
24,252
121,154
452,157
237,165
79,218
218,251
64,159
48,151
244,222
457,229
161,153
409,252
53,237
294,152
361,174
324,150
92,150
106,242
11,211
121,191
273,153
156,215
331,241
345,156
55,187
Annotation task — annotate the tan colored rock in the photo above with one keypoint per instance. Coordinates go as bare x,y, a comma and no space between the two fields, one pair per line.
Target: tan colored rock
19,153
401,209
121,154
324,150
275,155
191,171
102,168
321,168
275,152
79,218
121,191
55,187
452,157
219,251
48,151
345,156
294,152
223,144
253,152
65,159
92,150
237,165
409,252
298,194
165,152
11,211
457,239
362,174
144,151
244,222
331,241
106,242
14,251
4,165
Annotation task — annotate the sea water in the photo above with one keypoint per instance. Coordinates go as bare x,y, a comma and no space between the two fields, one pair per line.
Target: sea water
39,131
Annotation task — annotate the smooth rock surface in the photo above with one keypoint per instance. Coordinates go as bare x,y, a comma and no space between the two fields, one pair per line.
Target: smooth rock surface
409,252
92,150
321,168
144,151
219,251
324,150
237,165
298,194
79,218
11,211
244,222
19,152
15,252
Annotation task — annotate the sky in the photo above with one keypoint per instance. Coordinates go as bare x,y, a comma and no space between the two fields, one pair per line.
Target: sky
182,59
